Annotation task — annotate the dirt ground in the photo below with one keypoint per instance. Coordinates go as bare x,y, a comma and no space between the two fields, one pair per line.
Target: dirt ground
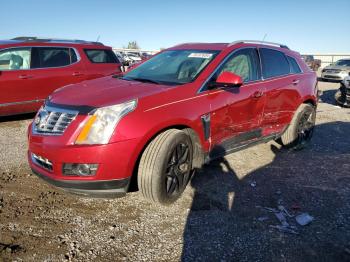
219,218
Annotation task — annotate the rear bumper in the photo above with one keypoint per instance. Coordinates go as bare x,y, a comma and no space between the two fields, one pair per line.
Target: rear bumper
103,188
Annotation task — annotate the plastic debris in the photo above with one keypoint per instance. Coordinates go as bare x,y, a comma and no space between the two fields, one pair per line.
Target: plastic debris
282,219
304,219
282,215
285,229
284,210
263,218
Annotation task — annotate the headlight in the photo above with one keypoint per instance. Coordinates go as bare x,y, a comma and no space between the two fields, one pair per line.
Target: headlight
101,124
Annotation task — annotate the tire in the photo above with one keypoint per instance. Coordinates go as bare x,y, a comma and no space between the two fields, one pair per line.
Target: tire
300,130
165,167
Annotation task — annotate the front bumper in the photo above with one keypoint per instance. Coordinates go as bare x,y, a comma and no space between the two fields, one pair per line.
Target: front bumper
115,164
333,76
104,188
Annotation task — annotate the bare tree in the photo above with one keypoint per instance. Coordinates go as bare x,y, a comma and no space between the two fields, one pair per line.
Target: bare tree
133,45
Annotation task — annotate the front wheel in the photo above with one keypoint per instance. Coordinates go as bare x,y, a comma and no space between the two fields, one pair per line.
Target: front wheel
301,128
165,167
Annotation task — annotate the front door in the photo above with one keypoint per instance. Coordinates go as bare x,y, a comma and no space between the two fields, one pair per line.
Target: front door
236,112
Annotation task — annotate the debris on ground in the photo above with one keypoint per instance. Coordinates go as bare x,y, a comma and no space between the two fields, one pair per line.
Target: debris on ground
304,219
282,215
253,184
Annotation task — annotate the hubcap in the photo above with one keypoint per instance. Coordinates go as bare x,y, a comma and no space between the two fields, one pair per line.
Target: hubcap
178,169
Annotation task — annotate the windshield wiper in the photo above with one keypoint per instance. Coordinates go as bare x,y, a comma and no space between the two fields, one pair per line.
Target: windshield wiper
143,80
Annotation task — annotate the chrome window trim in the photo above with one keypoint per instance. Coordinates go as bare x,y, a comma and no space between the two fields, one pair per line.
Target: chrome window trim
41,68
202,88
22,102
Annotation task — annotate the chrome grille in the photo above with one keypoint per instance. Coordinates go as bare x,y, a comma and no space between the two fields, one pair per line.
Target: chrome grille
54,121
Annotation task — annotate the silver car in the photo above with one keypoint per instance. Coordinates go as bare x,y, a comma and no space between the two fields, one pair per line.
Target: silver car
337,71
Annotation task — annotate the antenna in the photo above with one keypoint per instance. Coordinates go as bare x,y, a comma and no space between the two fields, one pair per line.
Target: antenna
98,38
264,37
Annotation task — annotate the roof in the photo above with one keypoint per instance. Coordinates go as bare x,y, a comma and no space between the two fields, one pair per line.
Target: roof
53,40
222,46
201,46
34,41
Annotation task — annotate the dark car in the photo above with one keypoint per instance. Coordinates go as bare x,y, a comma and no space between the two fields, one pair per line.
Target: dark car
32,68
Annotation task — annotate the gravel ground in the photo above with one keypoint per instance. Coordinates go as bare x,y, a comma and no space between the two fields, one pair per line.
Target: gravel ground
219,218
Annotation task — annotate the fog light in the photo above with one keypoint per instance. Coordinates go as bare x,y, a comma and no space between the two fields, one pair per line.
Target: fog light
73,169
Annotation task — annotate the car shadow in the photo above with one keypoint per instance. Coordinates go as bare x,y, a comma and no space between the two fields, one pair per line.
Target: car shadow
328,96
17,117
223,223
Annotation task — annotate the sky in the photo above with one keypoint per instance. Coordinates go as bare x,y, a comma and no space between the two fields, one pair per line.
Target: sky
307,26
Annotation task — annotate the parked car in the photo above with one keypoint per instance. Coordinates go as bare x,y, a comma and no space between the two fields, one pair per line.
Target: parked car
185,106
313,63
32,68
132,58
337,71
342,96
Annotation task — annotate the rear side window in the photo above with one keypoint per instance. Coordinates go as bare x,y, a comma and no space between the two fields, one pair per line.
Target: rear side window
101,56
294,67
15,59
46,57
274,63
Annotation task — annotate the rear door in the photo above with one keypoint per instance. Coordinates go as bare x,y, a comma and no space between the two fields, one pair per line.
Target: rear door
280,88
54,67
101,62
17,85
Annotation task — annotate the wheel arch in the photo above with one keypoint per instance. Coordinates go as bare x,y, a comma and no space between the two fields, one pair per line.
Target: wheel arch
198,157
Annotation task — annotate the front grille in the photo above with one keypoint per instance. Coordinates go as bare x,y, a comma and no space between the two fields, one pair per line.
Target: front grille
333,77
55,121
42,162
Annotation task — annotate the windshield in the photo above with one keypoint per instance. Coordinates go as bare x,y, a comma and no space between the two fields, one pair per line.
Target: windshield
172,67
343,63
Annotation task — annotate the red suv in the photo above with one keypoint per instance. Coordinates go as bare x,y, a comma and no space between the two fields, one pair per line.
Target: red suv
183,107
32,68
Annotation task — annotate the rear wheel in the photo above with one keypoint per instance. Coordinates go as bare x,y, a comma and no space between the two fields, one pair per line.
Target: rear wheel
301,128
165,167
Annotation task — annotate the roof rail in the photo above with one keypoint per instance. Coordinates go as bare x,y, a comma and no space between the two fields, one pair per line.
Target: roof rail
53,40
258,42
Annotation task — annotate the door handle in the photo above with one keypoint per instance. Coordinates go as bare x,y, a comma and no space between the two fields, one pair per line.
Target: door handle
257,94
295,82
24,76
77,74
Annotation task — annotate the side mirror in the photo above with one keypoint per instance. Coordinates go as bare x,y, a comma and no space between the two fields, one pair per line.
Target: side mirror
227,79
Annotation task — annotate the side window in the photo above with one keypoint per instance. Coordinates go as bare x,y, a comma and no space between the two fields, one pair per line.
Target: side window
15,59
101,56
46,57
244,63
294,67
274,63
73,56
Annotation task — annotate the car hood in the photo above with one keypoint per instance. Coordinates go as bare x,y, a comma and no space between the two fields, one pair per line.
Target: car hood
338,67
104,92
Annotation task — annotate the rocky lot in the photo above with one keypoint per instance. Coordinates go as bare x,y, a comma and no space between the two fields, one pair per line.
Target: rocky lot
219,218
